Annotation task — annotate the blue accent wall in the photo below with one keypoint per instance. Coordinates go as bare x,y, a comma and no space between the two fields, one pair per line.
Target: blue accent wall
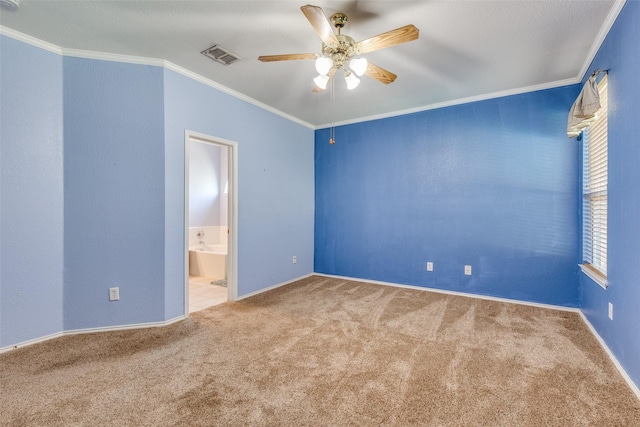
275,184
490,184
114,193
620,52
31,192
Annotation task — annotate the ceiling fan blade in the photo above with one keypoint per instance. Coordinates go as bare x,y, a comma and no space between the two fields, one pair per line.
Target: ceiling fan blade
287,57
380,74
390,38
330,74
320,23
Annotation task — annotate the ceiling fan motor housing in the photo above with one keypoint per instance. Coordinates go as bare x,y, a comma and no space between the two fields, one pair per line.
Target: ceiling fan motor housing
341,53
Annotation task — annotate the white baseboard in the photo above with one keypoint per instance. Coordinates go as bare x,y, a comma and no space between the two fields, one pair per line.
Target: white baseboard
133,326
606,348
277,285
617,364
456,293
124,327
31,342
90,331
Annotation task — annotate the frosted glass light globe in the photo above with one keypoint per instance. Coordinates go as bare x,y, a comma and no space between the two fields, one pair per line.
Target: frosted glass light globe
358,65
323,65
321,81
352,80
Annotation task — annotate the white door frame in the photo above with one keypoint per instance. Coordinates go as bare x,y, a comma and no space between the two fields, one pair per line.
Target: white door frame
232,213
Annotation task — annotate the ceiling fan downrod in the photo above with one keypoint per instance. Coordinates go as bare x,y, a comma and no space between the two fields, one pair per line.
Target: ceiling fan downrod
339,20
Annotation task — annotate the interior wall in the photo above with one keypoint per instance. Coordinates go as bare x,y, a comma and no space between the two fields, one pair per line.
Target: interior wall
31,192
489,184
275,185
205,185
93,191
114,193
619,52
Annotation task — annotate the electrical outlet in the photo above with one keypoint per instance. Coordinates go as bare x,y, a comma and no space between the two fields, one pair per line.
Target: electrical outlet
429,266
114,294
295,259
610,311
467,270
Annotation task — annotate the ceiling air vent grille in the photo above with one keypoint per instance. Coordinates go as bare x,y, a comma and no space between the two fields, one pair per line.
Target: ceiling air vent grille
220,55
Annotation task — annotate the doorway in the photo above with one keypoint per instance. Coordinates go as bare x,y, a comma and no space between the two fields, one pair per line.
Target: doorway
210,220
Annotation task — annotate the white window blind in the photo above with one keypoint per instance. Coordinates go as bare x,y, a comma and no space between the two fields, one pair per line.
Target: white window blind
595,171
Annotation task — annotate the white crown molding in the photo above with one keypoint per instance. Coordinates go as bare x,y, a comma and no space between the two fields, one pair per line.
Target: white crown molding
113,57
604,30
197,77
128,59
102,56
461,101
30,40
602,34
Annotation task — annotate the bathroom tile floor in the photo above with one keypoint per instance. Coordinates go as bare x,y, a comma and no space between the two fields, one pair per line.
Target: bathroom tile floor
203,294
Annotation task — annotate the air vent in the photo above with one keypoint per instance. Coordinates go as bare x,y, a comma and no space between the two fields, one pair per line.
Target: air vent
220,55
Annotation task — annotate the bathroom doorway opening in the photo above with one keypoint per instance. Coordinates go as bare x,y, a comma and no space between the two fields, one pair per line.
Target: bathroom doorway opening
210,220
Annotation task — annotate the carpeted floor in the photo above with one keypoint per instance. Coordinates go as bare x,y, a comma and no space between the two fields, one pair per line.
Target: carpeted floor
327,352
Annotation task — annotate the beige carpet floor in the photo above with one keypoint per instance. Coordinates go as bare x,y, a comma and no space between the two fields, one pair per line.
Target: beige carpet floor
326,352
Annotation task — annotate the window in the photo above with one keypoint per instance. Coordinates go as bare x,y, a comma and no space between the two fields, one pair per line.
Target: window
594,191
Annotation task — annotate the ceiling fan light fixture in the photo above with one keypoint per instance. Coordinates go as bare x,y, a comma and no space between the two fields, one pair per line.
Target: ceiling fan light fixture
323,65
358,65
351,79
321,81
339,50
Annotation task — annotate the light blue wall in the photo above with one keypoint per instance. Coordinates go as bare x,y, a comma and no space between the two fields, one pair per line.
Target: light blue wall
92,195
275,185
490,184
621,53
31,192
114,193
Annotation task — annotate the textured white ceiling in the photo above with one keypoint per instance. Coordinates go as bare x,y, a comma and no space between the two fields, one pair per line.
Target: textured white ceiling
466,49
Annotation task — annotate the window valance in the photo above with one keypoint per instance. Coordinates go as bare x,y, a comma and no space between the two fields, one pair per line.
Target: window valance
584,109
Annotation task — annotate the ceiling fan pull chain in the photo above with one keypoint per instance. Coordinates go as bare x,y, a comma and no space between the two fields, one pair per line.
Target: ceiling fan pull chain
332,129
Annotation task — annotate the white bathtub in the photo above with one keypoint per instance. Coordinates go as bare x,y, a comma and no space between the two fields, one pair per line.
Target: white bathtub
208,261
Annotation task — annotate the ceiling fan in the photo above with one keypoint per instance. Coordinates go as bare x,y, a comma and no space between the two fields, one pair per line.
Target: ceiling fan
340,51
